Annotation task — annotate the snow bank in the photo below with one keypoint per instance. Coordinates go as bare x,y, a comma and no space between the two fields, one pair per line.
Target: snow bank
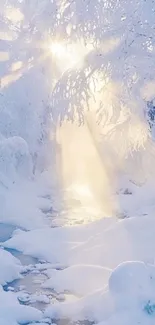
21,207
88,279
135,200
15,159
129,298
18,192
65,243
94,244
11,312
108,288
10,267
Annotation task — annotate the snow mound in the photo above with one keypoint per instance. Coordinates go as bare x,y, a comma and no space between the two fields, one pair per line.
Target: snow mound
129,277
88,279
20,206
19,200
96,244
68,245
11,312
134,300
10,267
109,265
15,159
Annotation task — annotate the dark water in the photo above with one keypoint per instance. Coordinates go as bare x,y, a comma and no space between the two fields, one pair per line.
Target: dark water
24,259
6,231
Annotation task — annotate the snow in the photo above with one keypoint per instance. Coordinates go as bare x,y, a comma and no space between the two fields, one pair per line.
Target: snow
19,206
18,188
102,271
121,298
109,268
129,278
89,244
12,312
10,268
43,323
62,241
15,159
25,297
88,279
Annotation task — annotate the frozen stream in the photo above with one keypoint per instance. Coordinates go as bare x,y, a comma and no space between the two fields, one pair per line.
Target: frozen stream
29,287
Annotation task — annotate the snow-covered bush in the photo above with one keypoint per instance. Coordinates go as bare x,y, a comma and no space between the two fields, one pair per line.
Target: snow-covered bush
15,159
129,278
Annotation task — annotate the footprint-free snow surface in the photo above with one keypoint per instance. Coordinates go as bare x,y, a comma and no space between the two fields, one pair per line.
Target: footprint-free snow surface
98,272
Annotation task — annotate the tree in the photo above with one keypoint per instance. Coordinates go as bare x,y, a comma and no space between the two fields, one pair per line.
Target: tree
114,76
116,79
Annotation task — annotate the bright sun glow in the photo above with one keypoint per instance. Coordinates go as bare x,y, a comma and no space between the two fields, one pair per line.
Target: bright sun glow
82,191
14,14
58,50
83,175
68,56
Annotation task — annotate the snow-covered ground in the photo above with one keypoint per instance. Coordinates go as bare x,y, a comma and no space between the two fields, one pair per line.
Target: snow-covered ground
101,271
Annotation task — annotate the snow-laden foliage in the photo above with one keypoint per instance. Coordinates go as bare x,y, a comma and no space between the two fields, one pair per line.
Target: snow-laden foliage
113,77
123,50
24,90
15,158
116,79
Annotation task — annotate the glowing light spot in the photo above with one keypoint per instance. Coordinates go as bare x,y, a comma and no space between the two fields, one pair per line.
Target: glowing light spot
16,66
7,36
4,56
82,190
58,49
9,79
68,56
14,14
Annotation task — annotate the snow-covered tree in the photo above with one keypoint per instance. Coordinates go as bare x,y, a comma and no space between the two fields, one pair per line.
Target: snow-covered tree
116,79
96,56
